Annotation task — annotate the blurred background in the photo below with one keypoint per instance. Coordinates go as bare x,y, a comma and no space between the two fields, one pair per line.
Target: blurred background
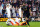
34,6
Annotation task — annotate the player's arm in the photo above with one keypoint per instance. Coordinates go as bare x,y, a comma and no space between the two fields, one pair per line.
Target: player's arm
7,21
30,11
30,14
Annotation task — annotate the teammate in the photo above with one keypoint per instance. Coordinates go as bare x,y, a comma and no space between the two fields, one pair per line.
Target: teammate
20,11
12,22
8,21
8,7
17,20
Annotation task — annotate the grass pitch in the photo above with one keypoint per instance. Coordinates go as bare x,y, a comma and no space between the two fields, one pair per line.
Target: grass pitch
32,24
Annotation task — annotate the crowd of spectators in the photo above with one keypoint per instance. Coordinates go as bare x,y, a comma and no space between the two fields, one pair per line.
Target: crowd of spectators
33,4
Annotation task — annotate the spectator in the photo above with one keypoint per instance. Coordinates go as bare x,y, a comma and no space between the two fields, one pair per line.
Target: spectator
39,6
2,4
17,14
0,15
1,0
1,9
34,8
11,3
36,3
26,4
5,15
13,11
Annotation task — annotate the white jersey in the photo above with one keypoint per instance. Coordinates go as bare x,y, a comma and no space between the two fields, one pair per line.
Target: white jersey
8,11
17,20
8,21
20,12
13,21
1,9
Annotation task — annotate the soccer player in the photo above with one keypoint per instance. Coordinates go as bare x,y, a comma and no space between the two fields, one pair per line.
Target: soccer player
26,13
27,21
10,22
17,20
8,7
20,11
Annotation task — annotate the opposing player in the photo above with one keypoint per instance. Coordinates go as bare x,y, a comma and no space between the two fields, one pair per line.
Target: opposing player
27,21
26,13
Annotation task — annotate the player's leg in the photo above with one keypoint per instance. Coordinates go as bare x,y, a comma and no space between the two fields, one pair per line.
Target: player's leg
27,19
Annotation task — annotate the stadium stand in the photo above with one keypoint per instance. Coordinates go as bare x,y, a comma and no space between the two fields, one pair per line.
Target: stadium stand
15,5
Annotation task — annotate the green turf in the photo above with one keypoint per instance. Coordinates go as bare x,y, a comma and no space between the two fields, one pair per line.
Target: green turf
32,24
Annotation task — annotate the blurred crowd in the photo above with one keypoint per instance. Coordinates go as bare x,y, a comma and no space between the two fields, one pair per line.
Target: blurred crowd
15,5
